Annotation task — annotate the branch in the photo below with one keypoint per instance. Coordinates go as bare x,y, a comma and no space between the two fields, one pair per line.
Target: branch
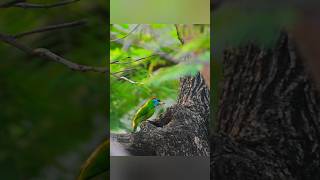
47,54
116,61
112,40
167,57
125,70
136,60
163,55
13,42
179,35
10,3
42,52
52,28
114,74
124,78
24,4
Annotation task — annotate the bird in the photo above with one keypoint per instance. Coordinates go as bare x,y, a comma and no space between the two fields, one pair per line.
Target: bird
145,112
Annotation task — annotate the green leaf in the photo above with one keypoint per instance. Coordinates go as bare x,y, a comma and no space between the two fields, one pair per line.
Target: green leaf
97,163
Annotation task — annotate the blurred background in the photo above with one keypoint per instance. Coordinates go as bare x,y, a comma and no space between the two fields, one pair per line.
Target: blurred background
51,117
160,11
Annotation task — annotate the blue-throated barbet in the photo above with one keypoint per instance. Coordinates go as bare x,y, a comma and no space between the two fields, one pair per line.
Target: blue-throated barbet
145,112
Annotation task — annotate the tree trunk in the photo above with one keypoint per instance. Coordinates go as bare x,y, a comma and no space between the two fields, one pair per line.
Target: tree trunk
268,118
181,131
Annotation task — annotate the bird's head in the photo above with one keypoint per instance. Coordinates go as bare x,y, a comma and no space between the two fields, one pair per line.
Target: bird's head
156,102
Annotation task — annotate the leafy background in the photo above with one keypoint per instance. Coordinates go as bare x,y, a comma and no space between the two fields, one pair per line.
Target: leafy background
51,117
152,57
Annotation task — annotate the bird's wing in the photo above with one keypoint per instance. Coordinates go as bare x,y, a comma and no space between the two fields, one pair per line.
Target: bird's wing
142,114
143,110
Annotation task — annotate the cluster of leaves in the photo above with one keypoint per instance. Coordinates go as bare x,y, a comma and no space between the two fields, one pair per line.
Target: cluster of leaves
147,61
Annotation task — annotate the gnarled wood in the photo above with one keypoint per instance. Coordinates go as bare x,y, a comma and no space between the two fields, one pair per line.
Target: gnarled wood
181,131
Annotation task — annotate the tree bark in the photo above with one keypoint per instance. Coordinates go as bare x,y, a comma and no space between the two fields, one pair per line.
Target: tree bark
181,131
268,117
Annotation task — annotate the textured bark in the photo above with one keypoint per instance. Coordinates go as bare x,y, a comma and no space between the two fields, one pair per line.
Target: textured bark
181,131
269,126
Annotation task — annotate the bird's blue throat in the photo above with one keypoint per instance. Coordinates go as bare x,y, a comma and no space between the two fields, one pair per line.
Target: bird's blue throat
156,102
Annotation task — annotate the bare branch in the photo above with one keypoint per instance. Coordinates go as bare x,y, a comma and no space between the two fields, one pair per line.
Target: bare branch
167,57
13,42
124,78
179,35
47,54
117,61
136,60
10,3
163,55
112,40
40,6
126,70
52,28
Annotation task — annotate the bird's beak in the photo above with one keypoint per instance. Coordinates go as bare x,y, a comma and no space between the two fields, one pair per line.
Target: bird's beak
162,103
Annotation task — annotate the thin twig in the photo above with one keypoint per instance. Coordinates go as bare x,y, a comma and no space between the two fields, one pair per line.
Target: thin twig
117,61
47,54
125,70
136,60
163,55
10,3
179,35
13,42
112,40
41,6
52,28
124,78
129,80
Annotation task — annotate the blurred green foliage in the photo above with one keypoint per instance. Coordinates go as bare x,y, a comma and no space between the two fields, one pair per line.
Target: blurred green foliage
241,22
97,163
160,11
164,61
48,110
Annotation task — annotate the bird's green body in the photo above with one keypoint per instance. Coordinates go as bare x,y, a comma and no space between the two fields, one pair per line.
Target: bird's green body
145,112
